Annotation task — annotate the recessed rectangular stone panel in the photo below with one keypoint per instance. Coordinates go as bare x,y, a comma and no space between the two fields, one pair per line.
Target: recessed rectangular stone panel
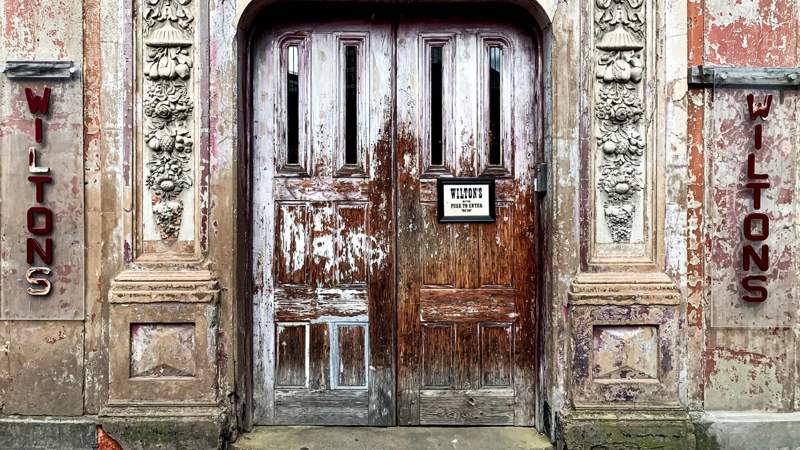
163,339
625,352
162,349
624,340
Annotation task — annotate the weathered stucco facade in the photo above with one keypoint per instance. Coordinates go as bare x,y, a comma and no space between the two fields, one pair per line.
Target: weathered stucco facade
154,331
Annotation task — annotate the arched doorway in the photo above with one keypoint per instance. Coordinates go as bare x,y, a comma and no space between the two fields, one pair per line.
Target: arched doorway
367,309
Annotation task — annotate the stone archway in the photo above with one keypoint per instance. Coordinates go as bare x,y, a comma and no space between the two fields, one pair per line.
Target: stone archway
246,150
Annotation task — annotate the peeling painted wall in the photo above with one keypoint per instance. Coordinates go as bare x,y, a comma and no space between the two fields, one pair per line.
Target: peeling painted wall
742,356
41,337
723,355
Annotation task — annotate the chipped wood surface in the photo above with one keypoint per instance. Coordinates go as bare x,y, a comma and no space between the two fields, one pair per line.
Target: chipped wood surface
323,253
458,284
470,407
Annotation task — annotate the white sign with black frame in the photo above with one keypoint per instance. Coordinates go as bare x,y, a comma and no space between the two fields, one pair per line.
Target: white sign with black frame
465,200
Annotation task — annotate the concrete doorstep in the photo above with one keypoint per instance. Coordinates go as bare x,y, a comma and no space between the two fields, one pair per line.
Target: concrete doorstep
396,438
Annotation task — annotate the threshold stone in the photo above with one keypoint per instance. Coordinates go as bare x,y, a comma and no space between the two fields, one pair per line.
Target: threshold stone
394,438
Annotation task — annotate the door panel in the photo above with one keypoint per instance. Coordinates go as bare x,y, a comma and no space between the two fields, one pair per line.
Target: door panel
466,292
323,231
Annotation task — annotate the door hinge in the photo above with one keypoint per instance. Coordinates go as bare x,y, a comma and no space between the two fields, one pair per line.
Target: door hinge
540,178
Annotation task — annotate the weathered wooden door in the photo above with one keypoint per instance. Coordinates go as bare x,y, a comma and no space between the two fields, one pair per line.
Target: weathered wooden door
467,105
323,233
328,165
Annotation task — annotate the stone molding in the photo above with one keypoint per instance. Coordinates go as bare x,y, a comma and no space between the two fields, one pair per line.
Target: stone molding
630,429
606,288
624,341
162,411
163,339
187,286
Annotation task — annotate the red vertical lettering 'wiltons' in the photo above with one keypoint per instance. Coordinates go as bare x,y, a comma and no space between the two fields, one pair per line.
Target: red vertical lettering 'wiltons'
39,218
755,253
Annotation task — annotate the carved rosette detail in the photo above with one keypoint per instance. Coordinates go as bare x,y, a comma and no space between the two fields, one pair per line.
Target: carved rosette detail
168,108
619,132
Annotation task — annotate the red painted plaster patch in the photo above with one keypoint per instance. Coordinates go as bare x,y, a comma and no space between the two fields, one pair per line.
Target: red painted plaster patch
752,33
58,337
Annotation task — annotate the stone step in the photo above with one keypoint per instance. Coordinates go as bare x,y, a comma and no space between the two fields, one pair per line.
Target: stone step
395,438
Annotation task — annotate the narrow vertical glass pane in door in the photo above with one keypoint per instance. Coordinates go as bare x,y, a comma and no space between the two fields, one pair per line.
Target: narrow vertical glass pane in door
436,106
495,150
292,104
351,104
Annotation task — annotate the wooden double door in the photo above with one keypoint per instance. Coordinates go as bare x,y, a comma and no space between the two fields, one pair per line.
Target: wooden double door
367,310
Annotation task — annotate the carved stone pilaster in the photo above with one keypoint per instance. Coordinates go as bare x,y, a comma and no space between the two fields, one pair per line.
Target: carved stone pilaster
619,30
168,106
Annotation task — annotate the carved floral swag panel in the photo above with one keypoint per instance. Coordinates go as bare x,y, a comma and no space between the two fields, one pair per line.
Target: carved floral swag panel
167,105
619,29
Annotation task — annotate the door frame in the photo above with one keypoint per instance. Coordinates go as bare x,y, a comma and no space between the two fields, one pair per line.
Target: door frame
244,290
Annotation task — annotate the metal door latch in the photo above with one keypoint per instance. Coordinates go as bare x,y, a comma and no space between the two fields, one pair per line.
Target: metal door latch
540,178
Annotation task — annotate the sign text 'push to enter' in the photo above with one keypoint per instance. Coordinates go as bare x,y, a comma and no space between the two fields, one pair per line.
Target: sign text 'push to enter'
465,200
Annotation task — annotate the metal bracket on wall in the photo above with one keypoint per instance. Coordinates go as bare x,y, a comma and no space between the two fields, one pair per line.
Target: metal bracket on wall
50,70
751,77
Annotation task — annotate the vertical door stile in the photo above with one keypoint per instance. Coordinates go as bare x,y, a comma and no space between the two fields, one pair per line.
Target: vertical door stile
407,148
381,227
263,141
525,118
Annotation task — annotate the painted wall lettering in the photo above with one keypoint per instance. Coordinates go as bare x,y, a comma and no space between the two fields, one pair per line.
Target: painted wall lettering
755,227
39,220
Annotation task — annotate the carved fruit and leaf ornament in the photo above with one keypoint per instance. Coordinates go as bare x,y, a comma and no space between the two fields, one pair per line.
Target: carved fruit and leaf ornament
619,104
168,215
168,108
621,66
167,28
167,63
628,14
619,28
161,11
